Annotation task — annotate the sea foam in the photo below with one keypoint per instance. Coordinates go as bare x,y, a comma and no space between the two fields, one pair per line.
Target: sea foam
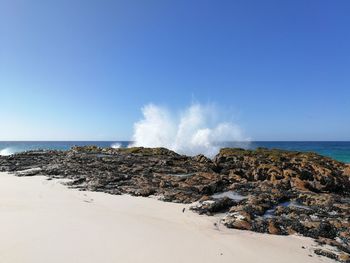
116,145
6,152
198,129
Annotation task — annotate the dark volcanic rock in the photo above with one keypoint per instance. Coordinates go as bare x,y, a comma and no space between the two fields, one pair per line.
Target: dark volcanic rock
284,192
325,253
210,207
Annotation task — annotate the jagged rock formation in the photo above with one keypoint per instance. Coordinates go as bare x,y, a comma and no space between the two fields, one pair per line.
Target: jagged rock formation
269,191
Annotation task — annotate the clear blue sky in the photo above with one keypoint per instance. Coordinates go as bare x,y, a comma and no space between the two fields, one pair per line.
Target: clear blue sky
83,69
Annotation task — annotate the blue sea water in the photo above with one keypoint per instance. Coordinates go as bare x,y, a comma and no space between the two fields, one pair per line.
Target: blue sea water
336,150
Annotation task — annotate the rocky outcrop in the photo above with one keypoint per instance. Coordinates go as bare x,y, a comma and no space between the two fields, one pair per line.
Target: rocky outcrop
269,191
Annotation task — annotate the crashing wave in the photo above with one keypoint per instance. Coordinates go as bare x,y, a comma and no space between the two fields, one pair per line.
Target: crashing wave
116,145
197,130
6,152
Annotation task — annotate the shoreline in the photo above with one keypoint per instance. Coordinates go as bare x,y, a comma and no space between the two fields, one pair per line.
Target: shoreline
45,221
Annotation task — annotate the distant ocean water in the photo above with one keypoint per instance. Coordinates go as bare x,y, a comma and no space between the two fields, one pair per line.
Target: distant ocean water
336,150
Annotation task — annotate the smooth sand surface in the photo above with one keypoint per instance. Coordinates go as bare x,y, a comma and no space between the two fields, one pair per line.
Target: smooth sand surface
43,221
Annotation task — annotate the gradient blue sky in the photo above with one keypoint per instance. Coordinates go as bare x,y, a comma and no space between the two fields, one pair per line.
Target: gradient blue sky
83,69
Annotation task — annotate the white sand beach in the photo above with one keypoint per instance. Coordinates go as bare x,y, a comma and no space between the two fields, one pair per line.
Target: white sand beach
42,221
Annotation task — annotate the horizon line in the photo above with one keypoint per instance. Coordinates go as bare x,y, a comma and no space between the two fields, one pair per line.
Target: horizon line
133,141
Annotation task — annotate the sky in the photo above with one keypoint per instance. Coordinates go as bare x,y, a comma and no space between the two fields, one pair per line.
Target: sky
83,69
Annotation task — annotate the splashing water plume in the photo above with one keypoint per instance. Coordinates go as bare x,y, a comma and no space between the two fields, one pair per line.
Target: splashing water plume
195,131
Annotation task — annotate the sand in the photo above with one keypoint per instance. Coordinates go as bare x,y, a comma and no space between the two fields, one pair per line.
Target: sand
42,221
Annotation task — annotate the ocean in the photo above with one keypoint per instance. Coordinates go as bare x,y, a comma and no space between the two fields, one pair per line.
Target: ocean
336,150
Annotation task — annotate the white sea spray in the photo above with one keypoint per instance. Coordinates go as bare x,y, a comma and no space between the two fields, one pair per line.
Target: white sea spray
116,145
198,129
6,151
